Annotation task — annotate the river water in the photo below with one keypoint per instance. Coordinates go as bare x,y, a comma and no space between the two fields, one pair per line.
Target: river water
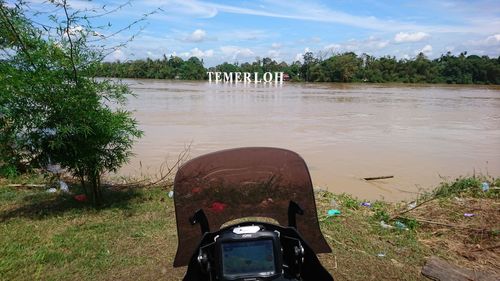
420,134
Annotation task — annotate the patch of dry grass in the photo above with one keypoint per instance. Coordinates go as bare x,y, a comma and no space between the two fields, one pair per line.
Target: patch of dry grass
472,242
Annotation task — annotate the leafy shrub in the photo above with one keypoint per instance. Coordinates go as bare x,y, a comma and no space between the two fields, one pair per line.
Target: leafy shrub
53,110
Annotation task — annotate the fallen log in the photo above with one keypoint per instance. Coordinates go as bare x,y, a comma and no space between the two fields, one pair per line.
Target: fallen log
440,270
25,185
378,178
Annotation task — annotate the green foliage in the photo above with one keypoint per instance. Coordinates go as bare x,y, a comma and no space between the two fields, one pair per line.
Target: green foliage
348,201
380,212
459,186
467,186
52,109
344,67
496,182
411,223
192,69
381,215
8,171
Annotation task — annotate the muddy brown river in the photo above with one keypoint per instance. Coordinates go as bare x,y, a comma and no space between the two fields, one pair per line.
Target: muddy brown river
420,134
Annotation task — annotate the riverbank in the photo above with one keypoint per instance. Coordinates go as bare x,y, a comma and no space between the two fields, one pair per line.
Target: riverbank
51,236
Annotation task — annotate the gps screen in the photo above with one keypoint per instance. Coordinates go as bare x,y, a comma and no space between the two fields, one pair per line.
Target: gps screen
248,258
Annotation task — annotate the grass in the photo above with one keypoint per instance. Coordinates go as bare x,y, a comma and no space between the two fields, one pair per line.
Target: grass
50,236
363,250
47,236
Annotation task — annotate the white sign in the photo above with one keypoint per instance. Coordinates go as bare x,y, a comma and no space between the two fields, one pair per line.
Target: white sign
245,77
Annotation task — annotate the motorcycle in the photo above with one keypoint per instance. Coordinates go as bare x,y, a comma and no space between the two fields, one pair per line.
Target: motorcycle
248,214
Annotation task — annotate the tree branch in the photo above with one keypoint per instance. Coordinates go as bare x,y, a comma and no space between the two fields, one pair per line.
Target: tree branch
453,225
16,34
110,11
411,209
71,47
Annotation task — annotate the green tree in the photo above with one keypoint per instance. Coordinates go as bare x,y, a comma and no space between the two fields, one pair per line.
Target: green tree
192,69
342,68
52,106
346,67
175,63
228,67
294,70
309,61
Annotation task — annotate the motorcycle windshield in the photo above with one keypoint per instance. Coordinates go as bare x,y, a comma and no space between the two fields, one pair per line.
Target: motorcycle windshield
244,182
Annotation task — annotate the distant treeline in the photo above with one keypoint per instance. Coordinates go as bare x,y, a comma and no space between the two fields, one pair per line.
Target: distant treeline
346,67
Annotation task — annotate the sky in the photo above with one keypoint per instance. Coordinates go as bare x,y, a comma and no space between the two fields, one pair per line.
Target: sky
241,31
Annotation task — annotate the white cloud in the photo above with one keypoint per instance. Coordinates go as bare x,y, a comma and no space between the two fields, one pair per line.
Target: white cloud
182,28
493,39
276,45
84,5
382,44
403,37
300,56
274,54
490,41
299,10
316,39
209,53
373,43
310,11
426,50
118,55
198,53
486,46
333,47
77,31
235,52
245,34
368,45
201,54
197,36
302,11
182,8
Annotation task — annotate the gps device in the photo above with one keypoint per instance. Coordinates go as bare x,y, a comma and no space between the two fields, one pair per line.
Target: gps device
248,252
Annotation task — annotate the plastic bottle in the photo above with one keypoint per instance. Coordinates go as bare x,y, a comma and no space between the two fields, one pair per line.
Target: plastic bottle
333,212
63,186
385,225
333,203
400,225
485,186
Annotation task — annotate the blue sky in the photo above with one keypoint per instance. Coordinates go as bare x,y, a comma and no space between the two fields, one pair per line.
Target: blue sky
239,31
